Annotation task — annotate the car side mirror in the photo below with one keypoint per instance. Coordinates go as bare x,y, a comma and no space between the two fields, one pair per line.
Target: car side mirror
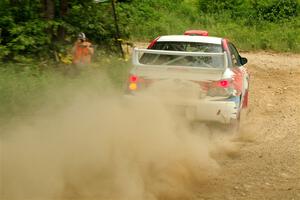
244,60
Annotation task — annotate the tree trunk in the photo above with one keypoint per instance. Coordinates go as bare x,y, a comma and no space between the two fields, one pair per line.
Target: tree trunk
48,9
62,12
63,8
13,2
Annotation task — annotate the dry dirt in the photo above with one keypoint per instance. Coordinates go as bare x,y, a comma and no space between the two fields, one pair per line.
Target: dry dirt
107,149
267,165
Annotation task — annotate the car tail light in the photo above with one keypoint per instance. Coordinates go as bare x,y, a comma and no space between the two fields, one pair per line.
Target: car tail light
224,83
133,79
222,87
132,86
136,82
132,83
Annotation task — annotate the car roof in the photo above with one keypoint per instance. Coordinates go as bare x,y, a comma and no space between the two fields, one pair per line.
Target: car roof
189,38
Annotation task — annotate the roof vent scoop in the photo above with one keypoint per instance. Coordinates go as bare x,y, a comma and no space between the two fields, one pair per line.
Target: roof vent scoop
196,32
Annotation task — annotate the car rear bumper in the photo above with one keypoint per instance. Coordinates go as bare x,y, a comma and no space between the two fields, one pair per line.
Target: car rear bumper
222,110
210,110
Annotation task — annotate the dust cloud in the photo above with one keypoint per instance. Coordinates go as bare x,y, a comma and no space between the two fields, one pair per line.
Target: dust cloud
107,147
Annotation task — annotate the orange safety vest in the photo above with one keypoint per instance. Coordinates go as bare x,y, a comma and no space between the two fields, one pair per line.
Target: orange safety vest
82,54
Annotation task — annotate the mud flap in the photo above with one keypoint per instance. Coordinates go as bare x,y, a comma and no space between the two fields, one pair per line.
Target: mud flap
245,100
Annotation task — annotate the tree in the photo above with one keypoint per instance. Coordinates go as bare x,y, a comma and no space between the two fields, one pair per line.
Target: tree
48,9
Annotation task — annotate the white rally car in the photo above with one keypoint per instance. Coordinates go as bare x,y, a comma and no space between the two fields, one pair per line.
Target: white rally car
211,64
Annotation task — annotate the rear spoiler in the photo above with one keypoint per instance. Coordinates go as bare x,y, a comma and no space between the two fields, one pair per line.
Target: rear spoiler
137,51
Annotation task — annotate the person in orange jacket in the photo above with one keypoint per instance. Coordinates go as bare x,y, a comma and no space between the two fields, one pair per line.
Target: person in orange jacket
82,51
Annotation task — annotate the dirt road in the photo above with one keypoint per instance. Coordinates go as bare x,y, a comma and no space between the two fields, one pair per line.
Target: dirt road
267,166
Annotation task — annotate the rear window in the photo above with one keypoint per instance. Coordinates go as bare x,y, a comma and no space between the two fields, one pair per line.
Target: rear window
212,56
188,46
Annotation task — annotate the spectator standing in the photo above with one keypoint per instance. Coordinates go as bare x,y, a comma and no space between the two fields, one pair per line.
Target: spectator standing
82,51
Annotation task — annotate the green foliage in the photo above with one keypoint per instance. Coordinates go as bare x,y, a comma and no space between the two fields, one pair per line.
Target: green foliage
144,20
283,37
275,10
236,20
253,10
26,31
219,6
27,88
21,89
29,32
254,24
22,33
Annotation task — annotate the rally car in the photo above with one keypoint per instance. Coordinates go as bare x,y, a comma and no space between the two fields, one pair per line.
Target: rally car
211,65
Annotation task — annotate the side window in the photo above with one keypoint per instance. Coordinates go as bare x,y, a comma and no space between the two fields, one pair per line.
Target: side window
235,57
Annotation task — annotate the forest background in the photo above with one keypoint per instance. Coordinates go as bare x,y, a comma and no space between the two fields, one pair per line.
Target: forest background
36,37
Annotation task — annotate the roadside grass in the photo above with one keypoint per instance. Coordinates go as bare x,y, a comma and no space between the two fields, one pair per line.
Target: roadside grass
283,37
26,89
247,33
